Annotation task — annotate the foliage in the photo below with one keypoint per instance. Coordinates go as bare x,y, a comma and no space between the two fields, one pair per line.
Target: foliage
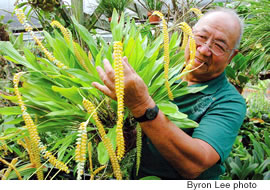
258,104
250,156
256,40
153,5
53,96
108,5
254,56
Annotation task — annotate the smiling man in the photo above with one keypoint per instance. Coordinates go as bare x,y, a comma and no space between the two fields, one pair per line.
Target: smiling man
172,153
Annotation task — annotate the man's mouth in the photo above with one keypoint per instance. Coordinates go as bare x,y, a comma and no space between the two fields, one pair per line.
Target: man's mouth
200,62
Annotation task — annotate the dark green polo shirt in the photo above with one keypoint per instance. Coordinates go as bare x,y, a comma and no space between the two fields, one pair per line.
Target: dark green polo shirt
220,110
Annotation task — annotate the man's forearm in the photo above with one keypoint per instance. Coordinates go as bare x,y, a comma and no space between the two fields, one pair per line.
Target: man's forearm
187,155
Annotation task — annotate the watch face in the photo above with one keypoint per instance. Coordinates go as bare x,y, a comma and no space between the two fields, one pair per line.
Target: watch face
151,114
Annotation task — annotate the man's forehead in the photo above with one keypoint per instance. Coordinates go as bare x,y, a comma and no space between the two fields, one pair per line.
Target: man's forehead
220,21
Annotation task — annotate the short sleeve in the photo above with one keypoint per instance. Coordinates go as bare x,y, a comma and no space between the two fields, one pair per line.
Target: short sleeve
221,123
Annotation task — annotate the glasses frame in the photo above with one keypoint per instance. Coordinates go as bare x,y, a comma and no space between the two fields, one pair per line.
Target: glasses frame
209,46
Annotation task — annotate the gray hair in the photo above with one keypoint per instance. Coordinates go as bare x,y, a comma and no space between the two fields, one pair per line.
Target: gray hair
232,13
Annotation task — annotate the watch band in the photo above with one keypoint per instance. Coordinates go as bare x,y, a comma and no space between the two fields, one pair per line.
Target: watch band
150,114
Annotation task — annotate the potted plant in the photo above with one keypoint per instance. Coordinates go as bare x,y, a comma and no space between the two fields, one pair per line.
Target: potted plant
108,5
151,6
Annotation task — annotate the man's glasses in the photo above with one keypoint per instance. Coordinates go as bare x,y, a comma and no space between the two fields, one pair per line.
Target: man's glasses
216,47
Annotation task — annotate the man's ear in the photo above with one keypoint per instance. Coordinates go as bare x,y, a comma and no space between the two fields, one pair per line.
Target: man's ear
235,52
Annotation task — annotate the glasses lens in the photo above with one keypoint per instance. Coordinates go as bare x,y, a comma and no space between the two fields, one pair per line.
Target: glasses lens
214,48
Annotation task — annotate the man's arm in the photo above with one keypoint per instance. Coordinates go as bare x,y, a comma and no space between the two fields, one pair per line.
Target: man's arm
189,156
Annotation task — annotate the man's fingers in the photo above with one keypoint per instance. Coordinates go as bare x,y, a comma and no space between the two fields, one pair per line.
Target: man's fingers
104,89
126,65
109,70
104,77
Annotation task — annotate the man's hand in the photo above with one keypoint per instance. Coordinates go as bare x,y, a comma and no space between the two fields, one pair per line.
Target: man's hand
136,96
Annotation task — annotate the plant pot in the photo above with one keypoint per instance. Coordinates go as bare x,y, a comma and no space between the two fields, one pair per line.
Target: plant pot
153,19
110,19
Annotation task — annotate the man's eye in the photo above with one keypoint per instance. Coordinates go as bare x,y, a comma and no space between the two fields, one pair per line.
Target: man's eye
220,47
202,37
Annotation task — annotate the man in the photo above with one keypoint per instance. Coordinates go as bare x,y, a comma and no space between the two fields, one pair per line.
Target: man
172,153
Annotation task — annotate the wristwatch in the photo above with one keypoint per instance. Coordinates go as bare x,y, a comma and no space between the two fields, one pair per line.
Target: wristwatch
150,114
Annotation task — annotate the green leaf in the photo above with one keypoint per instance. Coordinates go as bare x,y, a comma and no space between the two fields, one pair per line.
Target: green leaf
15,110
71,93
87,37
230,72
150,178
186,90
18,44
263,166
170,109
267,138
266,175
72,112
11,52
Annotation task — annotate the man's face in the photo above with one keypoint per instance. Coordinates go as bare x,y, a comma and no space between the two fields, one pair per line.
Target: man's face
219,31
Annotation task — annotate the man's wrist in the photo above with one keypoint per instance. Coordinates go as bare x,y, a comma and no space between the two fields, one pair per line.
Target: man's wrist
140,109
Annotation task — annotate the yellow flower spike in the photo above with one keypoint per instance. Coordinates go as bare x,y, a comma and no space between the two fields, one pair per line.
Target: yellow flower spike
79,57
119,89
192,50
68,38
22,19
36,145
21,16
6,174
166,53
12,166
197,12
138,146
96,171
184,42
192,45
107,143
16,79
186,28
49,156
65,32
80,151
90,156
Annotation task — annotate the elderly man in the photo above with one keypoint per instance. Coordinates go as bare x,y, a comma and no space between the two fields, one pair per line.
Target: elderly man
172,153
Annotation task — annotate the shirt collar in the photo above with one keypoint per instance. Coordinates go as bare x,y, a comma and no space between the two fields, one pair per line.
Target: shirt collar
212,85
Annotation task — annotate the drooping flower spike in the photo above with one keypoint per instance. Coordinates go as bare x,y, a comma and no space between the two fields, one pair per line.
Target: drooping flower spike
197,12
192,45
36,144
68,37
166,53
21,17
105,139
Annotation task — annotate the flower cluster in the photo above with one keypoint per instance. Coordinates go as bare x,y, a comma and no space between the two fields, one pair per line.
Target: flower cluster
119,89
64,31
21,17
107,143
166,53
197,12
36,144
80,151
192,45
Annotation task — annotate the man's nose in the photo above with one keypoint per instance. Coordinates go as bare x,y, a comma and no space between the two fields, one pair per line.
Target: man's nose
205,48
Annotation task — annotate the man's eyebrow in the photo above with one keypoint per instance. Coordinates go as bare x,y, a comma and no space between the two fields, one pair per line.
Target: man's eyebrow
204,30
222,40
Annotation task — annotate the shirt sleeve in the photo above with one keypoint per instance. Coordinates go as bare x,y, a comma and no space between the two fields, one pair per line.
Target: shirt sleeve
220,125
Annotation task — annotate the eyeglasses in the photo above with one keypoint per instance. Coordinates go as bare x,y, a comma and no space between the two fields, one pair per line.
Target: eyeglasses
216,47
